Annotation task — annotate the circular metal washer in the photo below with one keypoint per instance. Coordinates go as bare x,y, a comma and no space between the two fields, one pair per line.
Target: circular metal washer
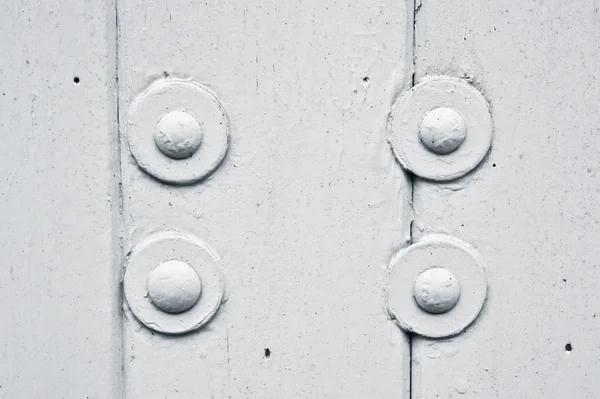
408,112
157,249
436,251
165,96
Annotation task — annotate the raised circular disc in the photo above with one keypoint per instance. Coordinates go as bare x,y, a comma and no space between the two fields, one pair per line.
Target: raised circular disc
168,96
166,246
414,105
436,251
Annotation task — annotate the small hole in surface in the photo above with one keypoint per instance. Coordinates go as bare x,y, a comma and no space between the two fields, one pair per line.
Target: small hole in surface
267,353
494,165
76,80
568,347
366,79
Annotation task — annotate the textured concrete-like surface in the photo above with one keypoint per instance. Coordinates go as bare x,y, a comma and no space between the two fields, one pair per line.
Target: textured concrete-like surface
306,209
530,209
309,204
60,334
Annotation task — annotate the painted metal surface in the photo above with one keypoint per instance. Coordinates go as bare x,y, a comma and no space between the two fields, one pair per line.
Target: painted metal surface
530,209
441,128
261,130
437,290
435,287
173,282
177,131
305,211
60,334
174,286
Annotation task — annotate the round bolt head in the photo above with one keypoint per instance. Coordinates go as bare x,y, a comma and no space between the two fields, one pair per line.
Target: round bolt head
437,265
146,285
174,286
169,108
436,290
178,135
442,130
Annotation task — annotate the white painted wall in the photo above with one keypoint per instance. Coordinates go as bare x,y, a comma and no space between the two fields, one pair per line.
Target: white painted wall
309,205
306,209
531,209
60,335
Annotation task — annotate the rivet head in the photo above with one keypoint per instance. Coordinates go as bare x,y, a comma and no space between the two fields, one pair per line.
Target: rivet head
178,135
435,287
173,282
436,290
174,286
177,131
442,130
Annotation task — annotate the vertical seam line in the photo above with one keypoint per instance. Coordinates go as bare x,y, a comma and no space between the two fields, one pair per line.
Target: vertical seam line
119,216
412,187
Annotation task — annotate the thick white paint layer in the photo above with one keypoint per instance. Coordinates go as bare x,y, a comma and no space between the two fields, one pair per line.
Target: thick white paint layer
437,290
140,293
401,291
174,286
442,130
305,211
308,207
531,209
177,131
178,135
410,135
59,282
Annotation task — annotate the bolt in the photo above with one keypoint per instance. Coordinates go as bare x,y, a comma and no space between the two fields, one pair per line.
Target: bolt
436,290
443,130
174,286
178,135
